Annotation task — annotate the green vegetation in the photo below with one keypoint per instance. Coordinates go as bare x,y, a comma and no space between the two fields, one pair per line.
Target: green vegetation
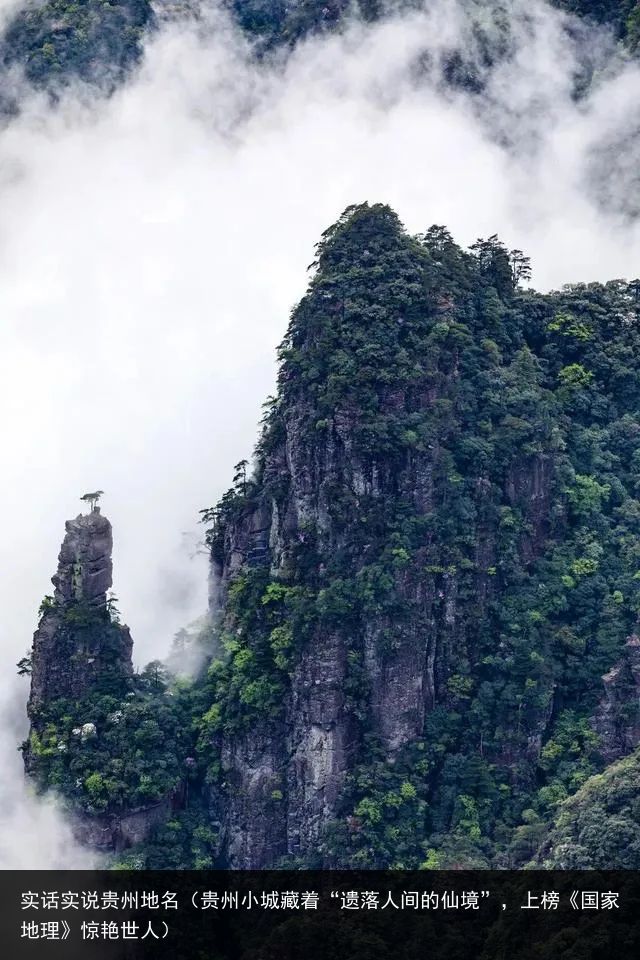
100,41
600,825
92,40
265,625
106,754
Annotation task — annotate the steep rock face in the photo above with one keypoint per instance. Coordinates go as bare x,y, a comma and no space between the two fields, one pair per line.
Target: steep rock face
254,828
76,645
118,831
85,568
618,717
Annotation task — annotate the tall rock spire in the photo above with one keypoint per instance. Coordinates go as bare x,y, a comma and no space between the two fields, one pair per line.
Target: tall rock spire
85,569
88,711
78,647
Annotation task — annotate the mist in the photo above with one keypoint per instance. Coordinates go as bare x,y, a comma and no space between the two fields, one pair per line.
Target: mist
153,244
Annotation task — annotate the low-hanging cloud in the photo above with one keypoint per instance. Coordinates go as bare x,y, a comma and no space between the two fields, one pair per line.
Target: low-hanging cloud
152,246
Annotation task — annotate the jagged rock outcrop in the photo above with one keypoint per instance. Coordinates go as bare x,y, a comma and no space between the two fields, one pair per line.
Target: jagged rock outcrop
77,645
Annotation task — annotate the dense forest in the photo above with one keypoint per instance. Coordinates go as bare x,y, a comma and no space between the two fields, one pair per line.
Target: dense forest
100,42
423,645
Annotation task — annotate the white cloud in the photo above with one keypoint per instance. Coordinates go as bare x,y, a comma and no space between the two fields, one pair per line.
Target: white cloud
152,246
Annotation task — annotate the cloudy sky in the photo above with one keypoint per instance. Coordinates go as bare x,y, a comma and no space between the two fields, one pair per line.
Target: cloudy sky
153,245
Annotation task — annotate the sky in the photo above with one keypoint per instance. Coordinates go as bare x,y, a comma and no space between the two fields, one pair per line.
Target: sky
152,246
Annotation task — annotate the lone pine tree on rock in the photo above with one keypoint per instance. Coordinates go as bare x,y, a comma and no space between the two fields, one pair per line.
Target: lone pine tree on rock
92,498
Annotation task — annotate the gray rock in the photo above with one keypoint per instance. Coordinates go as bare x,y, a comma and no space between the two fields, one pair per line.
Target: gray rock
118,831
85,569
